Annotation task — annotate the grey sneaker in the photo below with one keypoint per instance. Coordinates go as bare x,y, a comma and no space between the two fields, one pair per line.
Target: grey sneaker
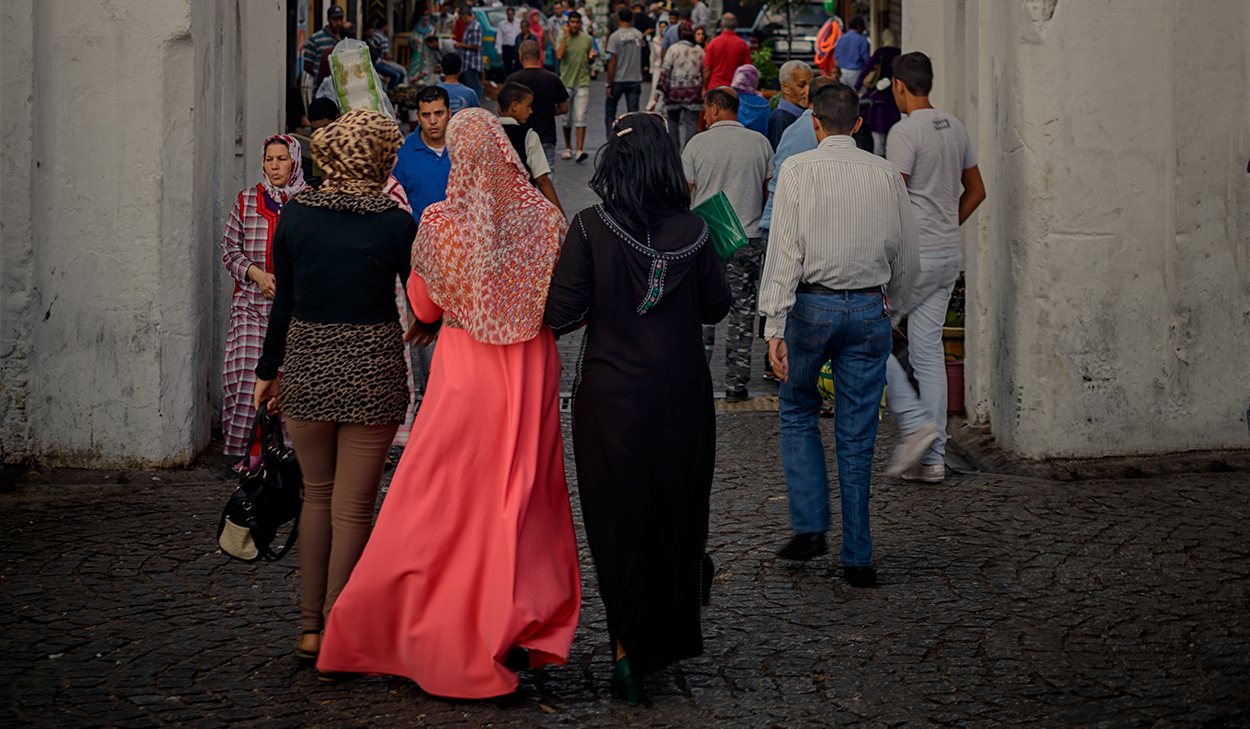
912,449
926,474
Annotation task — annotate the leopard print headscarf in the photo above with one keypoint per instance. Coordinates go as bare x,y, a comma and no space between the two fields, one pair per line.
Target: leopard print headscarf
357,153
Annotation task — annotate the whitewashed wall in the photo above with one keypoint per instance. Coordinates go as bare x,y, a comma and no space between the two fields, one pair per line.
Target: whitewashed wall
127,129
1109,270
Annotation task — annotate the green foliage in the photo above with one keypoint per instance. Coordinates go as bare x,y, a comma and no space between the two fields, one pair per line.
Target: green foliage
762,59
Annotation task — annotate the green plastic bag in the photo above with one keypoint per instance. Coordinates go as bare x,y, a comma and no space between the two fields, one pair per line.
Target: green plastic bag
722,224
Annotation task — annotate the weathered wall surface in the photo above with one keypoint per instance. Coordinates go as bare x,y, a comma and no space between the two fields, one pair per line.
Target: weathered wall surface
17,303
1109,270
110,259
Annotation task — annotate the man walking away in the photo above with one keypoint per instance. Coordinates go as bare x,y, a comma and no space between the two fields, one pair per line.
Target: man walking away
842,230
724,54
794,77
931,149
462,97
799,137
515,106
732,159
323,39
470,49
575,52
551,99
624,68
851,53
507,38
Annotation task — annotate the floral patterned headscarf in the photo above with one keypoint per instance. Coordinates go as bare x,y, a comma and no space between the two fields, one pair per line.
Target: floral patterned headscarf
296,184
357,152
487,252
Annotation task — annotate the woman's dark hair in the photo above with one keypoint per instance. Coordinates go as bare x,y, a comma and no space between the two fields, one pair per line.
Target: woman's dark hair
638,173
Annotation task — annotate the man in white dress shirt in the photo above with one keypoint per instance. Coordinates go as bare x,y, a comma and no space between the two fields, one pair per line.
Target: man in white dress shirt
842,239
507,38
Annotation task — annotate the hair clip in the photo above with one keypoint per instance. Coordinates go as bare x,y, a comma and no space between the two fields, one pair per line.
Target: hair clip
624,131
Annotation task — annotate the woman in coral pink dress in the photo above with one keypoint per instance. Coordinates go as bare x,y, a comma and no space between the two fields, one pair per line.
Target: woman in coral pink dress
473,556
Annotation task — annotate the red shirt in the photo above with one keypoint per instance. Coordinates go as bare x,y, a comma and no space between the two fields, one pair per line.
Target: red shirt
724,54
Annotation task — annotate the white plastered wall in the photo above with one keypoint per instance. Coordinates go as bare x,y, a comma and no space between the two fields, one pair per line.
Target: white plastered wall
121,140
1109,269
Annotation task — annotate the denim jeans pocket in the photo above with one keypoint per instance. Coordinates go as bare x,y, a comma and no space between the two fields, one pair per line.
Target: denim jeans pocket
879,334
808,334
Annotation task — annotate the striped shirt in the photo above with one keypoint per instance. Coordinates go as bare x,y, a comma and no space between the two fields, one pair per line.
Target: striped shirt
842,219
316,44
472,37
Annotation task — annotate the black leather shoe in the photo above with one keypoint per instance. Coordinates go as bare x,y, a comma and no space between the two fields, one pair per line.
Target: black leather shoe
737,396
804,546
860,576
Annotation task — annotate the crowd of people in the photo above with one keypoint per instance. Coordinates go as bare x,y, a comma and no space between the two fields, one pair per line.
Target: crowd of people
471,571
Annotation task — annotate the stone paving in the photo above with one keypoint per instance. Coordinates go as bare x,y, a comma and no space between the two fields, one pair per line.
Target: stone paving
1005,601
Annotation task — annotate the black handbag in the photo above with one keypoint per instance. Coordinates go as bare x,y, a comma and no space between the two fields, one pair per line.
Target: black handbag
268,497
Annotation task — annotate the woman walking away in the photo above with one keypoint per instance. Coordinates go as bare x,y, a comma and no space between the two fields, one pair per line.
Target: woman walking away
471,572
753,108
641,273
344,389
681,81
246,249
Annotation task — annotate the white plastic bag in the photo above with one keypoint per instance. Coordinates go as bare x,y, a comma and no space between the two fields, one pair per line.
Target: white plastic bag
356,83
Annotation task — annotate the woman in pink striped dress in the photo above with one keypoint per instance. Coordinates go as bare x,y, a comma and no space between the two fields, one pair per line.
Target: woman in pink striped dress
245,248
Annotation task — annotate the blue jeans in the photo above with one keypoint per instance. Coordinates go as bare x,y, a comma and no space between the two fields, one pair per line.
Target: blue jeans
853,331
913,410
631,90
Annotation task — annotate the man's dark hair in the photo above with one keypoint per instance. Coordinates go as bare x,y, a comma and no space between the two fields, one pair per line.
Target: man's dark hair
684,13
465,10
915,70
836,108
529,50
626,15
322,109
512,93
430,94
857,23
723,97
817,84
452,63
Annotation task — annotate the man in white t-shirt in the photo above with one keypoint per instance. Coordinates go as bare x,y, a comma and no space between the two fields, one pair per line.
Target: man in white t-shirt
931,150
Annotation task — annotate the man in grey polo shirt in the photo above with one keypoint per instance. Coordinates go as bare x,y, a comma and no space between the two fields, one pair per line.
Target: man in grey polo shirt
730,158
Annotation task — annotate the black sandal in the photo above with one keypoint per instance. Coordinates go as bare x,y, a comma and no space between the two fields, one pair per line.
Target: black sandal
303,654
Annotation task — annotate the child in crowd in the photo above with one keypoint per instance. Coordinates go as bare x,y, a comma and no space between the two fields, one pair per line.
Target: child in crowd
462,97
515,106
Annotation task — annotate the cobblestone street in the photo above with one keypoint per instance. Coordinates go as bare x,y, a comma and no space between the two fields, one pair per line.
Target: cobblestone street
1005,601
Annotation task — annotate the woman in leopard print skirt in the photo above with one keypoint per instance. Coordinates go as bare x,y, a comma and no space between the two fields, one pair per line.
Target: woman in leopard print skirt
344,389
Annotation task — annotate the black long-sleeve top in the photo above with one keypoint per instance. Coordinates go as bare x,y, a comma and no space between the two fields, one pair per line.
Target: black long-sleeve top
332,266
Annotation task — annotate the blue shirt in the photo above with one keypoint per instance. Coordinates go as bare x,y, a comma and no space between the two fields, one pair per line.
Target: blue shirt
462,97
422,172
798,138
851,51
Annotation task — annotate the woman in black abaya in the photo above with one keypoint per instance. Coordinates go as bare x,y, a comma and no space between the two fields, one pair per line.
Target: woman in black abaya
642,274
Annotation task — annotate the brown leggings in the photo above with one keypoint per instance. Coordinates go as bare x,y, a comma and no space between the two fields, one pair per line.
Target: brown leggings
342,467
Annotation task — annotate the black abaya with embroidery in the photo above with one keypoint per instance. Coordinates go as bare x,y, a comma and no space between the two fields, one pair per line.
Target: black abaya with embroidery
644,428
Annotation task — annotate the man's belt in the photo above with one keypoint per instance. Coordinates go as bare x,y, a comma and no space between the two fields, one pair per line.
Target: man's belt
809,288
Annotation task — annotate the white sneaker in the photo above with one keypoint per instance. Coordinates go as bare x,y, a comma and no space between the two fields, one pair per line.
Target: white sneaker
927,474
912,449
